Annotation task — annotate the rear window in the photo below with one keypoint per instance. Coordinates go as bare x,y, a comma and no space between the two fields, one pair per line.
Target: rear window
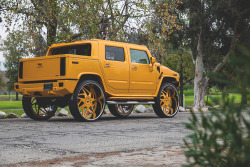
84,50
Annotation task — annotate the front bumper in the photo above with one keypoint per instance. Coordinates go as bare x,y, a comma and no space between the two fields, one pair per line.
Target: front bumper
60,88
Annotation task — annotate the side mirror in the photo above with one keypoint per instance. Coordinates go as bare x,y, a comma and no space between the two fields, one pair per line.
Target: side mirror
152,60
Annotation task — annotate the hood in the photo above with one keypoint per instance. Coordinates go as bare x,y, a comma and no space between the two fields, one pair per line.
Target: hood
168,72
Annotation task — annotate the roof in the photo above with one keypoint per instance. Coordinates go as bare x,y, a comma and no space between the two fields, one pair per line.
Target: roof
100,40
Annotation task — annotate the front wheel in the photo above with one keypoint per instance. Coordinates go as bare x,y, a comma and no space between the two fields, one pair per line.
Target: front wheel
167,102
37,110
88,101
120,110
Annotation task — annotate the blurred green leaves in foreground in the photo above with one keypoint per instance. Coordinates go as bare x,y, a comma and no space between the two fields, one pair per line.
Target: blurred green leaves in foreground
222,137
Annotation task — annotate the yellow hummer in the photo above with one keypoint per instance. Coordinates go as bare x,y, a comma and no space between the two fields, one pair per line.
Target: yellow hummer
87,75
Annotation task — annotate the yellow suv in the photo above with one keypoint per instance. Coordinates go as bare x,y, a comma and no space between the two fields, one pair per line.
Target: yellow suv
87,75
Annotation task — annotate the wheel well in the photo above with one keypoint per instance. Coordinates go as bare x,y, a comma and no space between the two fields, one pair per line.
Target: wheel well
90,77
170,80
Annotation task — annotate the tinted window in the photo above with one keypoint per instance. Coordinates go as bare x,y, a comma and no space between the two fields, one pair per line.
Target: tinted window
114,53
75,50
138,56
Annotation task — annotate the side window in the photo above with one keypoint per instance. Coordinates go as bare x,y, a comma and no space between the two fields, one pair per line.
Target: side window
114,53
138,56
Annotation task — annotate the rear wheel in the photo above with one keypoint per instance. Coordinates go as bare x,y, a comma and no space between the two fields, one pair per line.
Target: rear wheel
120,110
36,110
167,102
88,101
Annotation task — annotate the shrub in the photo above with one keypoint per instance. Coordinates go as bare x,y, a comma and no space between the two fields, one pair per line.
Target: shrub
220,138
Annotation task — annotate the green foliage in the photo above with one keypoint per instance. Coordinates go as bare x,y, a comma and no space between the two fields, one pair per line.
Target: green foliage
175,62
2,84
221,138
160,24
72,20
15,48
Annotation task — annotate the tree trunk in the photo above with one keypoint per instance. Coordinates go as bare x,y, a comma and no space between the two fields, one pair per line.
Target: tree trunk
52,23
181,81
200,82
243,94
17,96
51,33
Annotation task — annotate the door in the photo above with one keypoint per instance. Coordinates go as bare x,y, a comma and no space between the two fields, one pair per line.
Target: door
116,68
142,74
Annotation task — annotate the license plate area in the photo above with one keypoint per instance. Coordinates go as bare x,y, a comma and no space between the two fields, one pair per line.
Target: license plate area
48,86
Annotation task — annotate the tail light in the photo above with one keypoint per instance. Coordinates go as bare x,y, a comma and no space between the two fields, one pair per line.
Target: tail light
62,66
21,70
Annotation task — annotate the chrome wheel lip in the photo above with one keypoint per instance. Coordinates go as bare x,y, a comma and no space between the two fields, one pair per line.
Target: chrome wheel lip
177,95
104,101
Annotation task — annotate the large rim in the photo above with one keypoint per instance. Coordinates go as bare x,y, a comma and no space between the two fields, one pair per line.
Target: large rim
90,101
169,100
124,109
42,111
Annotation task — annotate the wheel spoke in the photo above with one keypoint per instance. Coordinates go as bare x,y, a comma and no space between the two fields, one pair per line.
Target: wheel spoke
85,90
85,111
121,109
92,92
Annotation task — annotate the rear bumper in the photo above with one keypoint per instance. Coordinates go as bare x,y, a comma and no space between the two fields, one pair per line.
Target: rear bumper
60,88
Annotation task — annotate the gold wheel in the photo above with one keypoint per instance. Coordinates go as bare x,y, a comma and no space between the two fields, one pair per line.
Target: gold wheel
121,110
124,109
167,102
88,101
37,109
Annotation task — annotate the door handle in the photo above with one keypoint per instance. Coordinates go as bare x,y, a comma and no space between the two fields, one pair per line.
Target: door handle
134,68
40,63
106,65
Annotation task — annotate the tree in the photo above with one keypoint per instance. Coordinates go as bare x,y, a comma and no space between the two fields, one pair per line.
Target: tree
221,138
2,84
213,30
182,63
72,20
15,48
160,24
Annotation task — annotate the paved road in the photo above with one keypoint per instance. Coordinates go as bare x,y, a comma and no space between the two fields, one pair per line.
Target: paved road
25,140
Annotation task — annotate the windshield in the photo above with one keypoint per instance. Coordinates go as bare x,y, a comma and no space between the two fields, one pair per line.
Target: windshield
83,49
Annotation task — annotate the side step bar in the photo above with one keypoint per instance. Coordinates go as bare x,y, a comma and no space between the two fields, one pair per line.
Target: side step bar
130,102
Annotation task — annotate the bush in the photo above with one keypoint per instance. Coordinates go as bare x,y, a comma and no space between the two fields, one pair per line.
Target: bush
220,138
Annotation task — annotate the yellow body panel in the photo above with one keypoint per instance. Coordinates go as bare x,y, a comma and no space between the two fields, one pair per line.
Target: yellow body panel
120,79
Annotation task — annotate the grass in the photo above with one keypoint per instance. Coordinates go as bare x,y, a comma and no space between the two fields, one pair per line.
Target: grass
11,105
17,112
7,97
189,99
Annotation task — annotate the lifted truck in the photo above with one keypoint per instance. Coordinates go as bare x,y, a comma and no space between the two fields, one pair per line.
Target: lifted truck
88,74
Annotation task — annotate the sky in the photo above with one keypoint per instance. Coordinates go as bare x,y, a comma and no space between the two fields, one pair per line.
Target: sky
3,35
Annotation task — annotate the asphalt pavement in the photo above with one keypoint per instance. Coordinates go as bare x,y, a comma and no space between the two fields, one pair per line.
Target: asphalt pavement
25,141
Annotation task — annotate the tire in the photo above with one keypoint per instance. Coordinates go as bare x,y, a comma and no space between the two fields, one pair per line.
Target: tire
88,101
37,112
120,110
167,102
